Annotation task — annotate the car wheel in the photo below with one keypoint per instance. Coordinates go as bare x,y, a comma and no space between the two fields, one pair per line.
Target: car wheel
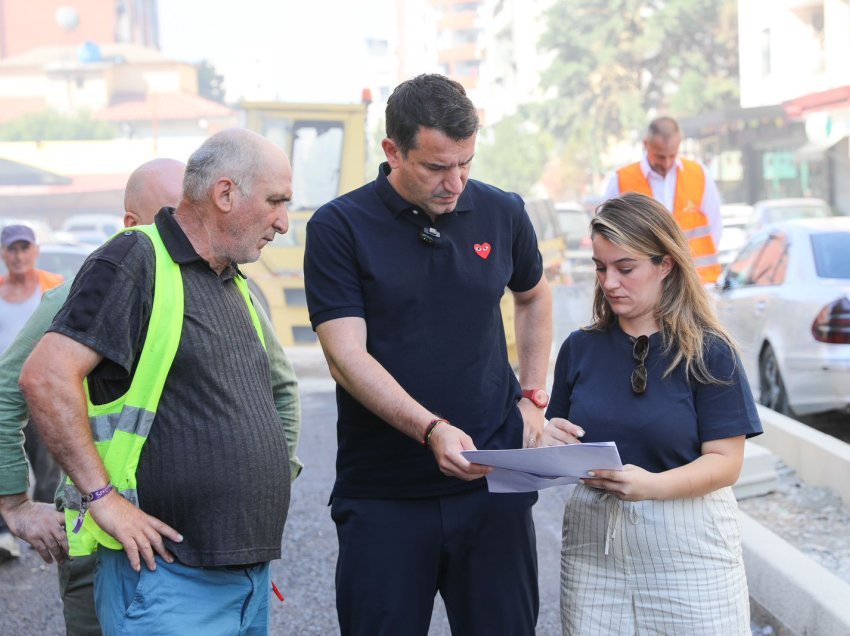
773,394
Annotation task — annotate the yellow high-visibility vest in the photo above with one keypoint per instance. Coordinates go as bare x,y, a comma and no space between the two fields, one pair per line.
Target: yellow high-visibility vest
121,427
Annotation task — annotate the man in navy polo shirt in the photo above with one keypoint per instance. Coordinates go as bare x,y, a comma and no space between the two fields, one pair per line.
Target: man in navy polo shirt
404,278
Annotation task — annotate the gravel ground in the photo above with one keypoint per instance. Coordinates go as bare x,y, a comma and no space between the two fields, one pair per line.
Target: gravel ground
812,519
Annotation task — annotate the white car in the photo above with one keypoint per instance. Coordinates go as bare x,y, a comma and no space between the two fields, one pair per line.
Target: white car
770,211
785,299
93,229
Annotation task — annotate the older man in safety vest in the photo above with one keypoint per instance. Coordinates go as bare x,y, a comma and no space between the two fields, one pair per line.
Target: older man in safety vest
177,457
683,186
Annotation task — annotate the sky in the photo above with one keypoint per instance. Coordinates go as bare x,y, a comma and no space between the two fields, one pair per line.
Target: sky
287,50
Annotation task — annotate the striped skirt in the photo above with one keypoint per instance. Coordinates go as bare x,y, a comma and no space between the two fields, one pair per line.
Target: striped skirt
653,567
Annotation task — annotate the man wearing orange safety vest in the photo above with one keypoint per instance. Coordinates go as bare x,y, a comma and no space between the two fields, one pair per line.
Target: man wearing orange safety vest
684,187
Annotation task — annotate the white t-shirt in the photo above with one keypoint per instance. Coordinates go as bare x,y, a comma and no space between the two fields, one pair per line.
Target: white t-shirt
13,317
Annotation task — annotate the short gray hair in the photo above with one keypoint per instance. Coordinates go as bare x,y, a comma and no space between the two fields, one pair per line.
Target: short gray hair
225,154
664,127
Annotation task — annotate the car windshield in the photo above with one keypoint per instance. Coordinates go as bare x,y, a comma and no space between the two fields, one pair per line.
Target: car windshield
832,254
790,212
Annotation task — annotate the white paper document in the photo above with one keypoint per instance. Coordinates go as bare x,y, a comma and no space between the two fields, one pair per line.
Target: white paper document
527,469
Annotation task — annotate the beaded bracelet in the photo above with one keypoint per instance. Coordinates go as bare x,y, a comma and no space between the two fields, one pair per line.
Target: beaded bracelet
426,439
86,501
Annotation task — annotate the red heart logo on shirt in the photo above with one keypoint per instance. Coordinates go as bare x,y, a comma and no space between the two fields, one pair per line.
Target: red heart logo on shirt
483,250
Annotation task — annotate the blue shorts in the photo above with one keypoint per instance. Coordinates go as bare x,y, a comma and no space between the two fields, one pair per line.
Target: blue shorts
178,599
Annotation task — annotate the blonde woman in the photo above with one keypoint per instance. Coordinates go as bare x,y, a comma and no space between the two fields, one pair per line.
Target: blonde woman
655,548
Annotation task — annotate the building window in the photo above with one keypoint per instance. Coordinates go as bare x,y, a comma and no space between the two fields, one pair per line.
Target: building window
764,41
468,68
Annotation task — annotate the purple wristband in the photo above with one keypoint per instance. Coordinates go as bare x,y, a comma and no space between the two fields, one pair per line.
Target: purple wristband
88,499
97,494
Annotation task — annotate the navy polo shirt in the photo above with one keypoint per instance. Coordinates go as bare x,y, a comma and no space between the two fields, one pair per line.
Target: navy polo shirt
433,322
664,427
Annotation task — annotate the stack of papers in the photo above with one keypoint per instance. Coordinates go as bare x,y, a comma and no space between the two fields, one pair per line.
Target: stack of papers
527,469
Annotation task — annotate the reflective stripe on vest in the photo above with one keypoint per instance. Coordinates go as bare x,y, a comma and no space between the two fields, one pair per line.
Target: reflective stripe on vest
121,427
690,188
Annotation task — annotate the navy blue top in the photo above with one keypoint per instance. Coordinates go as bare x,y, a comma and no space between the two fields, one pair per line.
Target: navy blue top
433,320
664,427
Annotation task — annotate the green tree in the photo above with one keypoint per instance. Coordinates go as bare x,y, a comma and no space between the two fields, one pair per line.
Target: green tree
616,62
54,126
512,154
210,82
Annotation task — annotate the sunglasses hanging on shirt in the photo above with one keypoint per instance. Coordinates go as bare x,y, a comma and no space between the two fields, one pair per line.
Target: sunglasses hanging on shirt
639,353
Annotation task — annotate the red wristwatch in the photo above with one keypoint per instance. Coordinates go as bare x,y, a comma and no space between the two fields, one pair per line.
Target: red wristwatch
538,396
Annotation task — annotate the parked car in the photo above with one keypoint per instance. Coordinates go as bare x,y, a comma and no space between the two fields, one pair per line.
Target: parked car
785,299
776,210
736,218
93,229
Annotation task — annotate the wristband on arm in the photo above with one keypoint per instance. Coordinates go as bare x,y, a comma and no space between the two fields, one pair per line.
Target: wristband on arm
426,438
86,501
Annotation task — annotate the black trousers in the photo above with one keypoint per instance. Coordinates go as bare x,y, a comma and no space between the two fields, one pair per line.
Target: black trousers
477,549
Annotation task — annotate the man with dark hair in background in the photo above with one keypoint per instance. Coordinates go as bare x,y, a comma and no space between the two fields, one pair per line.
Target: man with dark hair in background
403,279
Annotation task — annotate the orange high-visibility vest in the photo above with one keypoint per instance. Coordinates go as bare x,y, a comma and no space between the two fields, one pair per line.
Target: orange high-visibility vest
690,187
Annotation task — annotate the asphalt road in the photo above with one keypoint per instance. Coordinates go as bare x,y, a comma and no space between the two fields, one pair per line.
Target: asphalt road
29,600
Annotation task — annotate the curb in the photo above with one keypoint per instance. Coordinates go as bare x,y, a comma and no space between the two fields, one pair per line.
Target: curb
801,595
818,458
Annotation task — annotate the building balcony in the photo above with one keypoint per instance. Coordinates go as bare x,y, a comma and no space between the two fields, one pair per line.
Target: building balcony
469,82
460,21
461,53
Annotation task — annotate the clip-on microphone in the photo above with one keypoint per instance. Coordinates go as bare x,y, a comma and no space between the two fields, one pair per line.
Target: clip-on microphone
429,235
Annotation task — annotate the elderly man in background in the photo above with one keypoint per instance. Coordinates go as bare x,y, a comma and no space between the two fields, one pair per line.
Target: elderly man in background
152,185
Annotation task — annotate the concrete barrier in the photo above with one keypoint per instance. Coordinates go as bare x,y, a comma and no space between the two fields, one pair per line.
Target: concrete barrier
801,596
818,458
758,474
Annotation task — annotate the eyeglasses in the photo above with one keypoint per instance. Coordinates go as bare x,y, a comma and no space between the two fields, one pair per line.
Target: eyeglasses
639,352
